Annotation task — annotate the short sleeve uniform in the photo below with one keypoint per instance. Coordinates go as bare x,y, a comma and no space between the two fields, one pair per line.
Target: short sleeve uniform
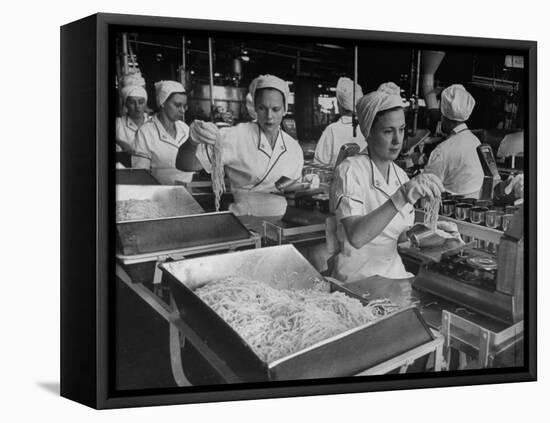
359,188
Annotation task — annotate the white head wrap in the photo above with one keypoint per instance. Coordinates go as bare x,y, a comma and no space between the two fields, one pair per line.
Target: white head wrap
270,81
344,93
133,91
132,79
386,97
250,107
457,103
166,88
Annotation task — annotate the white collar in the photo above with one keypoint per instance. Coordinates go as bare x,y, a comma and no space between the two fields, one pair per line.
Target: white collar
459,128
378,180
165,136
264,145
346,119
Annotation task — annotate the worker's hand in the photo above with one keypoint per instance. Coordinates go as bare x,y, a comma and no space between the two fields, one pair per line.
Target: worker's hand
515,185
202,132
425,185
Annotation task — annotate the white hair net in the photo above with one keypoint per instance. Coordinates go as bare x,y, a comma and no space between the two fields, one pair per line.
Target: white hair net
386,97
457,103
344,93
165,89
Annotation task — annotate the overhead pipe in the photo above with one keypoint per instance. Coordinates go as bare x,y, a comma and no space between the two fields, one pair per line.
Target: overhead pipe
354,119
125,53
211,70
431,60
416,92
183,69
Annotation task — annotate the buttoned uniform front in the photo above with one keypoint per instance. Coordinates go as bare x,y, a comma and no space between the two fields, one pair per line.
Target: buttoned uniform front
359,189
126,130
154,147
334,137
253,166
456,163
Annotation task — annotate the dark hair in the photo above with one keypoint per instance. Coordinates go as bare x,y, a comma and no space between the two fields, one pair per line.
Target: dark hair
382,113
268,88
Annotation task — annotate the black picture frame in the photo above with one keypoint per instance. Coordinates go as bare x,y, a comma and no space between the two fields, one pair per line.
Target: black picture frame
87,220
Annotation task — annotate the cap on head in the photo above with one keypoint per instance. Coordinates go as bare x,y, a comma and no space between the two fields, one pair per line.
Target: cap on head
270,81
457,103
344,93
165,89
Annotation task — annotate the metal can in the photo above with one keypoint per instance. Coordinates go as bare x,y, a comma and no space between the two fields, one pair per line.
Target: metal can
448,207
417,233
462,211
493,218
477,215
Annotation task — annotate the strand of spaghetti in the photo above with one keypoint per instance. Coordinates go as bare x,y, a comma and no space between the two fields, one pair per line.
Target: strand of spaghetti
218,174
431,209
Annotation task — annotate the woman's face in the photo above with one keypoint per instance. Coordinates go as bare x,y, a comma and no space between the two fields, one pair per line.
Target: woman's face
386,136
135,106
270,108
175,106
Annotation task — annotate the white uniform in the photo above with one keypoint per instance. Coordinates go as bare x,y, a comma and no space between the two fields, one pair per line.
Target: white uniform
155,148
252,166
334,137
359,189
456,163
126,130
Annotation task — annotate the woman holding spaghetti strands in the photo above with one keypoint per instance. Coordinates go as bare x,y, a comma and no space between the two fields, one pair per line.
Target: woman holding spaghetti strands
255,154
373,197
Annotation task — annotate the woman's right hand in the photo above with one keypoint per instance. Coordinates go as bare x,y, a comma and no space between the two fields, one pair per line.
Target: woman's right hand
422,186
202,132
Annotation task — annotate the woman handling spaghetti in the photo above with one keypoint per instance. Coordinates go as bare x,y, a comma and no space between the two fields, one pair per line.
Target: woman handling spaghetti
373,197
255,154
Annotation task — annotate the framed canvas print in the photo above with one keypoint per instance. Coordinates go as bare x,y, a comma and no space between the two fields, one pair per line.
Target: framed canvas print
257,211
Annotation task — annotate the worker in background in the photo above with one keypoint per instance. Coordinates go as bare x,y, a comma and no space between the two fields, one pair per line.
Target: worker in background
134,99
158,140
373,197
455,161
340,132
255,154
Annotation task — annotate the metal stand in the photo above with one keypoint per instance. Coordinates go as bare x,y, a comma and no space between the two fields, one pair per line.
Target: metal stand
403,361
476,341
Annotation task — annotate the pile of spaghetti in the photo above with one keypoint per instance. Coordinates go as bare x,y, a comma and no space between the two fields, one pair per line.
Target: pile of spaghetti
217,175
137,209
279,322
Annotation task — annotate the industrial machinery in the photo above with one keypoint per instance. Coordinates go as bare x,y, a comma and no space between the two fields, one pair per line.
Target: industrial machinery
475,296
487,283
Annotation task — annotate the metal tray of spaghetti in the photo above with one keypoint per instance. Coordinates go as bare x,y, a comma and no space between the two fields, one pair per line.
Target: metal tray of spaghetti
139,237
282,267
138,202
